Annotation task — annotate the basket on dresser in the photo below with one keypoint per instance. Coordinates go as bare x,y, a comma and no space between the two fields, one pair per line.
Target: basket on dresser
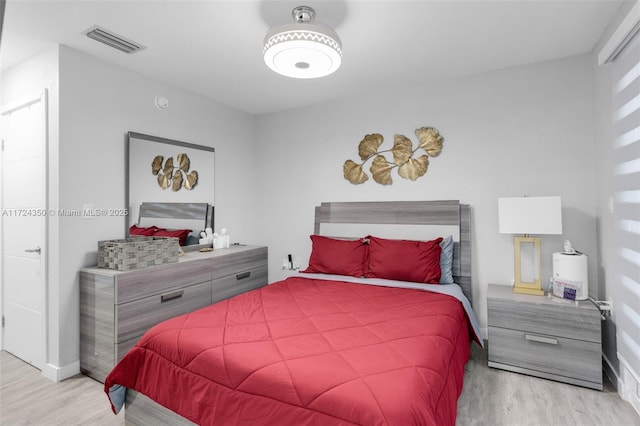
137,252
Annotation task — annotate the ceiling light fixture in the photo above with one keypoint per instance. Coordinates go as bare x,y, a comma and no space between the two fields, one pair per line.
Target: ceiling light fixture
303,49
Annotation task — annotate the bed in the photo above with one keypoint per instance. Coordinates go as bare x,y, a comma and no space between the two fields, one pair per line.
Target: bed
323,347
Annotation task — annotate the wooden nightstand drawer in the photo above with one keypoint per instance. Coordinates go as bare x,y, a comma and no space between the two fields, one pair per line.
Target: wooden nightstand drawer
134,318
544,337
570,358
540,314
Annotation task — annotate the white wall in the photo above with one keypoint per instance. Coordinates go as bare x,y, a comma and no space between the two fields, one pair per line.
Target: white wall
522,131
98,105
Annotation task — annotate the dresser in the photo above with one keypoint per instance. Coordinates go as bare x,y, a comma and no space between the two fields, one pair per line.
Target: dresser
544,336
117,308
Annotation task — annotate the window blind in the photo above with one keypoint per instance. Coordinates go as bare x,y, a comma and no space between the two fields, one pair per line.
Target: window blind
626,198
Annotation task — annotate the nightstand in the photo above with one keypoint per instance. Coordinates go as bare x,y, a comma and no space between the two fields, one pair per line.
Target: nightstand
545,336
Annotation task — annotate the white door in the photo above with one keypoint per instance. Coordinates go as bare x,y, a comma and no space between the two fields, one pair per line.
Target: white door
24,218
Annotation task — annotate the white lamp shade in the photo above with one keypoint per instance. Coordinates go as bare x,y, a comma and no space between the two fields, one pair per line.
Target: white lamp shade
303,50
530,215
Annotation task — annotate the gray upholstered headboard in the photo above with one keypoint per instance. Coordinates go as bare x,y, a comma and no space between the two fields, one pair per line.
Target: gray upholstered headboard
404,219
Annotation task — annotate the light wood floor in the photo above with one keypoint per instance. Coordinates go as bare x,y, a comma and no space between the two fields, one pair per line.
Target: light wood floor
490,397
29,398
497,397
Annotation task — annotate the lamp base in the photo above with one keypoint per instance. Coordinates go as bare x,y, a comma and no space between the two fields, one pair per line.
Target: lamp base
525,287
525,290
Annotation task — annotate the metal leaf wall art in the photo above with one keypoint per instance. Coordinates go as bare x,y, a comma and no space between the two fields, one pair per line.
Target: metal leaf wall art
403,157
174,177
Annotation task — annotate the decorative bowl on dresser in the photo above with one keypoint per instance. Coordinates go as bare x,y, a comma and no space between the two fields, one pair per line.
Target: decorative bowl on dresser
545,336
118,307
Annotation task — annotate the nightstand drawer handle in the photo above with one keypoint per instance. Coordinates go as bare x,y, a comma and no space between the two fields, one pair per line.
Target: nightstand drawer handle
243,275
170,296
534,338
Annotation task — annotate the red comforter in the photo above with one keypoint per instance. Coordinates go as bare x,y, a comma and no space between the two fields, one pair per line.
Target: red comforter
307,352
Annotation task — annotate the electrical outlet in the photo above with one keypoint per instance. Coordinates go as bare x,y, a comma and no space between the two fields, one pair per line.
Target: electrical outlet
605,307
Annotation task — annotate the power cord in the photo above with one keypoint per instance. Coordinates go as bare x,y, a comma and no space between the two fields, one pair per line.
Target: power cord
605,306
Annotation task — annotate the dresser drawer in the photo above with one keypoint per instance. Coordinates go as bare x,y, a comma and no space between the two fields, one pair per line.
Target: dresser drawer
145,282
117,307
134,318
240,261
122,348
229,286
563,319
576,359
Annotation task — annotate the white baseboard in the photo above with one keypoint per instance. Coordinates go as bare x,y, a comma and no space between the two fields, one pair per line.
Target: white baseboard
58,374
629,384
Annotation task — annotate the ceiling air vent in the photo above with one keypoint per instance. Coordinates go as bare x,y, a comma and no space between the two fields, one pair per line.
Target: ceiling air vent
114,40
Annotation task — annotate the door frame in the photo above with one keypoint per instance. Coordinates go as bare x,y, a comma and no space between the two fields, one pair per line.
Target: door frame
41,96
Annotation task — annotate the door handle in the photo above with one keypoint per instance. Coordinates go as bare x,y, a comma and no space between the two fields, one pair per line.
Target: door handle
35,250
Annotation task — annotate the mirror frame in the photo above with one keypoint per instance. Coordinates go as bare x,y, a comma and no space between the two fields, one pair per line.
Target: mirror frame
131,137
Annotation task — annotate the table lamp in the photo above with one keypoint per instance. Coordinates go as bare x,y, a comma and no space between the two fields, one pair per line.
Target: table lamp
526,216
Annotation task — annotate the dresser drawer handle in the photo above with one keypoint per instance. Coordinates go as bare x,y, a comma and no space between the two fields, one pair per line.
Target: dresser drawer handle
243,275
171,296
540,339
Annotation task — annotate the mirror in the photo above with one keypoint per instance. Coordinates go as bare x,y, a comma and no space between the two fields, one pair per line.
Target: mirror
174,178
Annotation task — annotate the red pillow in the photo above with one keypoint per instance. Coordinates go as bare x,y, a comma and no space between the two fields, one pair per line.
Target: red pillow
405,260
181,234
339,257
135,230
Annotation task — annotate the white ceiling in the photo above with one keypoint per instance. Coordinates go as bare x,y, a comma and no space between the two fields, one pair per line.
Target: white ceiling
215,47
